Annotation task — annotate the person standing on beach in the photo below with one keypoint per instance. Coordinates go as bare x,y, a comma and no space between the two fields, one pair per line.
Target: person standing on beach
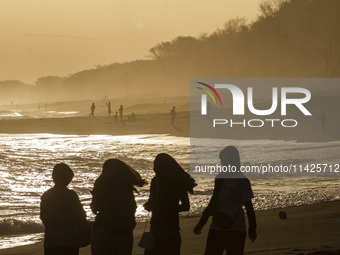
228,228
93,107
168,188
108,108
59,209
121,112
114,205
173,115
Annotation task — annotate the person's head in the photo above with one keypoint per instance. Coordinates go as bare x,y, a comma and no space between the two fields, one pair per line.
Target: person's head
166,167
164,162
230,156
117,169
62,174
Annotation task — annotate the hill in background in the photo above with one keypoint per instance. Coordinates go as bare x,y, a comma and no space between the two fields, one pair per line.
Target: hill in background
295,38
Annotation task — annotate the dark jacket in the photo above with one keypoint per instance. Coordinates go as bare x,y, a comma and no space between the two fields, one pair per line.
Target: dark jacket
59,208
114,204
164,202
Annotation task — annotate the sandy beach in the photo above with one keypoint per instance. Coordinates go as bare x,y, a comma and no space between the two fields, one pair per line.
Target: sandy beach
313,229
308,130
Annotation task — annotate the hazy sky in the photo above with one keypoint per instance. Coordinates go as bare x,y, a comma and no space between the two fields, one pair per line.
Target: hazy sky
60,37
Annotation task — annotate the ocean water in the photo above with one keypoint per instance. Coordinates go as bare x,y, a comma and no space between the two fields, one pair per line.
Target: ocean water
17,114
26,163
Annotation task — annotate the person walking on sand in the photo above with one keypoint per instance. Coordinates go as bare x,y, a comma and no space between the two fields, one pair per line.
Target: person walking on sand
108,108
173,115
168,196
60,208
228,228
93,107
121,112
114,205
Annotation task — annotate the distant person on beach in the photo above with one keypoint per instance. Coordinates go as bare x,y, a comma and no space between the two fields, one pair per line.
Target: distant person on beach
121,112
168,196
114,205
108,108
60,208
228,228
93,107
323,120
133,117
116,116
173,115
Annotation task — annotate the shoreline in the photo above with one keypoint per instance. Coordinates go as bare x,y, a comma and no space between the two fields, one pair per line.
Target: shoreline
309,229
160,123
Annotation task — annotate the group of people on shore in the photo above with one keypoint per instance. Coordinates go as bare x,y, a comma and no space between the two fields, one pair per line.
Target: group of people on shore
132,117
108,104
113,203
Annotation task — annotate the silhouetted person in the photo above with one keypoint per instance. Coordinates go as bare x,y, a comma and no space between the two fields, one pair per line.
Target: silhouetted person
108,108
228,228
133,117
168,188
323,120
116,116
121,112
59,209
114,204
93,107
173,115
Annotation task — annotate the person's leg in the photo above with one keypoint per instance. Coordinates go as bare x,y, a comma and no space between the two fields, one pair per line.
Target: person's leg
174,243
168,241
234,242
215,243
102,243
124,244
65,250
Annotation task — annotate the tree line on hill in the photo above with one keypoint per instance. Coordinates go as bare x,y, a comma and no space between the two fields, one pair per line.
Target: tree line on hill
289,38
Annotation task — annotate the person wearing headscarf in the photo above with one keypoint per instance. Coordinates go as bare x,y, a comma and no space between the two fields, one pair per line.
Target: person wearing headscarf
168,196
114,205
232,190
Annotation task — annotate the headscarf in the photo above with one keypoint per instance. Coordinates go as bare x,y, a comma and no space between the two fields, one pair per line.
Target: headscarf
117,169
118,175
166,167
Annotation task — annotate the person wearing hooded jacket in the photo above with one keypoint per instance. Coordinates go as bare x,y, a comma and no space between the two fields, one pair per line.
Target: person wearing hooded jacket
114,204
168,196
60,208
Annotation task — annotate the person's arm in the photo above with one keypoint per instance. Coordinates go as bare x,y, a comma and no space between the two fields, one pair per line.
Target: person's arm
149,205
210,208
78,208
43,210
185,203
251,219
99,198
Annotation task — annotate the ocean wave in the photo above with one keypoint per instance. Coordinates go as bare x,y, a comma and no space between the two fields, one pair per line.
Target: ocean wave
16,227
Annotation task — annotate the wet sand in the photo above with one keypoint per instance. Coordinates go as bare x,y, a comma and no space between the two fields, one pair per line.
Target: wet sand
308,130
313,229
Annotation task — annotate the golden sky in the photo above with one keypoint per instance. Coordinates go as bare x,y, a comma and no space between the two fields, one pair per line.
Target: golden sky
60,37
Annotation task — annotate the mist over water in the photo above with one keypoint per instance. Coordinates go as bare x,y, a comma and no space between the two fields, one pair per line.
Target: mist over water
27,161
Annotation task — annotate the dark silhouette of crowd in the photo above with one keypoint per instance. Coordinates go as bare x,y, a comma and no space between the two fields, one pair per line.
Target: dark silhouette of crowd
113,203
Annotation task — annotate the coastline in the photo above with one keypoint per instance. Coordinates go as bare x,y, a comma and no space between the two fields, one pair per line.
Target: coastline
309,130
309,229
